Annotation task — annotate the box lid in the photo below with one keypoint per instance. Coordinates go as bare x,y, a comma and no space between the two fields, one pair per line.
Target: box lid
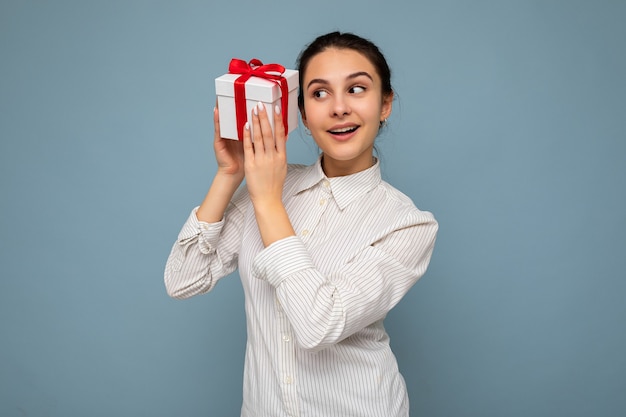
256,88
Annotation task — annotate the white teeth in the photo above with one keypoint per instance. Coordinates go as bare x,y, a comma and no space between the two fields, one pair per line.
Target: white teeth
344,130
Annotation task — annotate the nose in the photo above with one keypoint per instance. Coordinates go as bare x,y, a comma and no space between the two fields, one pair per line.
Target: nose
340,106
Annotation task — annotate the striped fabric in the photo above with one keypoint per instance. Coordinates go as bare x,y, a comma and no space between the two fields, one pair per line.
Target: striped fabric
315,302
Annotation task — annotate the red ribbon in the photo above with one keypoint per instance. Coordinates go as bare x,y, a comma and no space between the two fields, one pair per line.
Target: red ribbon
255,68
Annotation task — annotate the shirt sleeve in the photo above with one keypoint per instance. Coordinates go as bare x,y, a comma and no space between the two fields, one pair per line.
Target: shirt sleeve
203,253
325,309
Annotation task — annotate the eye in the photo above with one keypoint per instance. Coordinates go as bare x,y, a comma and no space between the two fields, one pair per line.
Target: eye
356,89
320,93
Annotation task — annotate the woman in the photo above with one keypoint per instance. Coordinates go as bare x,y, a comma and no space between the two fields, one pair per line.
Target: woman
323,251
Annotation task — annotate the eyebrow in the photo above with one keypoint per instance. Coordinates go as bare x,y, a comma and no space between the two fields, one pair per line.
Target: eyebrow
349,77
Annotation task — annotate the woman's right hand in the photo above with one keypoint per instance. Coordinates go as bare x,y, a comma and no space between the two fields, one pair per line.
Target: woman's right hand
230,174
228,152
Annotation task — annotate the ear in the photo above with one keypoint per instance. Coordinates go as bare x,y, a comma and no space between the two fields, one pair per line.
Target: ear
385,111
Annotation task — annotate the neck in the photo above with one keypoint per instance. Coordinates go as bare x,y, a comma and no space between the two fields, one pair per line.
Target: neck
334,168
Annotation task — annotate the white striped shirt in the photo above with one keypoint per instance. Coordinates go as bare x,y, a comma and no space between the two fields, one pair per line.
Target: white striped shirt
315,302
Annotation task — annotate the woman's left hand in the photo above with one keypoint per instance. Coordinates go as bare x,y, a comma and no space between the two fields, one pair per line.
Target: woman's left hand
265,158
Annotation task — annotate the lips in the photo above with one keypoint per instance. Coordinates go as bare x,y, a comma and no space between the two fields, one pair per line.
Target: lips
343,130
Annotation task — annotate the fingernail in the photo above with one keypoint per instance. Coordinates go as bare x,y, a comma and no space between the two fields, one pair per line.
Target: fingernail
255,111
261,105
277,109
246,126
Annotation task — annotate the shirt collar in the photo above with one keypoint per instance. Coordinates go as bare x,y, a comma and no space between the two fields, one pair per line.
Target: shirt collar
344,189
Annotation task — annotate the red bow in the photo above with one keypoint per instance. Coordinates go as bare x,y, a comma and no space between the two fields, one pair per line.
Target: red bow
255,68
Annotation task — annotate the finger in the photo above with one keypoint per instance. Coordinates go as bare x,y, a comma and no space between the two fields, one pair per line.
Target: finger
257,132
248,147
216,123
266,128
280,135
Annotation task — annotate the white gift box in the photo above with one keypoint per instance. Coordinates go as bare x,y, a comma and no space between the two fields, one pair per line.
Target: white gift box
257,90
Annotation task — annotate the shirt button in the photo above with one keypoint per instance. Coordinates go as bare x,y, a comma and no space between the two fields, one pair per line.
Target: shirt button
326,183
322,201
288,380
286,338
304,232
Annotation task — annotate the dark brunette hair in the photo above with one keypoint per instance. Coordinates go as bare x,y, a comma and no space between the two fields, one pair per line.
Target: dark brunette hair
350,41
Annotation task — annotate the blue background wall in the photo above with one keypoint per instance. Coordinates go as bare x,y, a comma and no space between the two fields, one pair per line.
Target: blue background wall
510,126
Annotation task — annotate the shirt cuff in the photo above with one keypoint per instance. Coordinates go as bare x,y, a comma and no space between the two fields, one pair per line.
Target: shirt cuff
208,232
281,259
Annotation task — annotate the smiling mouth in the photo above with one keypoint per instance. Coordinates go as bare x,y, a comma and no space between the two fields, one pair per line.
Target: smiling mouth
343,131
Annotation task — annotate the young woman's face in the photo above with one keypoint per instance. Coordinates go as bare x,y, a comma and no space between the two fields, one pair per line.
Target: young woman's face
343,108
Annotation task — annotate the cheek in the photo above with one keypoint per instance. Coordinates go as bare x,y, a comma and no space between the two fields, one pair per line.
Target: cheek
313,112
368,110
